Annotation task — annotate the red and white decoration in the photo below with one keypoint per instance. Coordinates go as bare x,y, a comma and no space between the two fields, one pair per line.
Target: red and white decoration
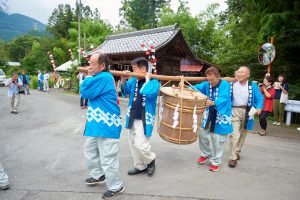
52,60
149,49
84,54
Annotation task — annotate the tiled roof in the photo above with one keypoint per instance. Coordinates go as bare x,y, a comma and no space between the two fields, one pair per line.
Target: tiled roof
131,42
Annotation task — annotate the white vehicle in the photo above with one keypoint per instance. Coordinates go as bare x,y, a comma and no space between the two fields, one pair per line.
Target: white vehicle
2,77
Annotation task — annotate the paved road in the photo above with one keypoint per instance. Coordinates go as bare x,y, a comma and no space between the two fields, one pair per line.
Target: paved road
41,149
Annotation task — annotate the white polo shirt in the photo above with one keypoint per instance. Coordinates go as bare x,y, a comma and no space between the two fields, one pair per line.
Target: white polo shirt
81,78
240,94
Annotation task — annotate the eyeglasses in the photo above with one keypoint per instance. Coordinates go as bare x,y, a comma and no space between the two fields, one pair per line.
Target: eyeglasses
93,63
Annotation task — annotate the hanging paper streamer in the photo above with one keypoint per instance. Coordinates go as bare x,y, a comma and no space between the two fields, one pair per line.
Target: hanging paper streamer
161,109
195,120
175,117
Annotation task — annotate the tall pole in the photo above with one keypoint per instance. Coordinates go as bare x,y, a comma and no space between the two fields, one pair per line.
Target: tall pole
79,16
269,66
84,40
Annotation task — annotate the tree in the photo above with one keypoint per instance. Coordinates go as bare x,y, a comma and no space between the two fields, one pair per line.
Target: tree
96,32
198,31
60,20
31,51
63,16
142,14
32,61
282,22
20,47
86,12
249,23
237,37
38,57
3,53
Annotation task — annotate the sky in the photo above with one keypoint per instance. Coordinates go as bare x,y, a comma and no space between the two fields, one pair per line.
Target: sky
109,9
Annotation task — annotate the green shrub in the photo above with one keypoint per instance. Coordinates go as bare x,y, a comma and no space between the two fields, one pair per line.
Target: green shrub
51,83
74,79
294,91
33,82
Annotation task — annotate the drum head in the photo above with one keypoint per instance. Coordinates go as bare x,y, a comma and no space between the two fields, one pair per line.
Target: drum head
185,94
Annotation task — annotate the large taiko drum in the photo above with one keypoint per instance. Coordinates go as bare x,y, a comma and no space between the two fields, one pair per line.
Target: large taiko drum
180,114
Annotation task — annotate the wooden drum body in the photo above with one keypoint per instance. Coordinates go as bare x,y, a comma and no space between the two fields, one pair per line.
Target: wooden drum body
180,114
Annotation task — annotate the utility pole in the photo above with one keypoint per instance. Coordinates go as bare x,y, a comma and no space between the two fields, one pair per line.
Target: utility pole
79,16
84,39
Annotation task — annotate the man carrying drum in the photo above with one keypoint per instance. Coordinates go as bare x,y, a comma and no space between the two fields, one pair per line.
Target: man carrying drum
140,117
216,124
103,126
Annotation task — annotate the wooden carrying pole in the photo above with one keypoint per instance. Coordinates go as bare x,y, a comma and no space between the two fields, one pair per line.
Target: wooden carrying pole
158,77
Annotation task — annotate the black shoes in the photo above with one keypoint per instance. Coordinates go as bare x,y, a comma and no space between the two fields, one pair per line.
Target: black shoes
111,194
232,163
151,168
107,194
92,181
135,171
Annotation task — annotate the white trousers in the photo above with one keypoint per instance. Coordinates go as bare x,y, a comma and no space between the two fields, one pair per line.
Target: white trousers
139,146
3,177
14,102
211,145
101,156
46,86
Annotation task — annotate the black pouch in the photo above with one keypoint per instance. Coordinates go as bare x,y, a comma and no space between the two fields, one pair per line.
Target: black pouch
21,91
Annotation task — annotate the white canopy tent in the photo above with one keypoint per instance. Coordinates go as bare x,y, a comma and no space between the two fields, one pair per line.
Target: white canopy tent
67,66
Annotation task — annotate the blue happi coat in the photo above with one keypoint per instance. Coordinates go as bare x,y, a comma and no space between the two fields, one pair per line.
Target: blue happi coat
223,106
103,115
257,101
27,78
150,90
